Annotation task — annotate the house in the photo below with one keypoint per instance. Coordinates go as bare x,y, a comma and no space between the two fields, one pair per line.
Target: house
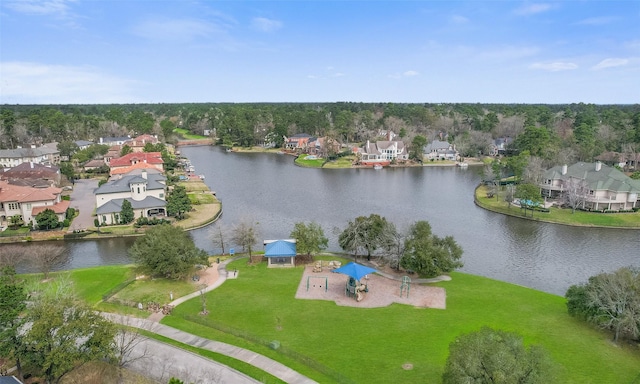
499,147
83,144
280,253
43,155
604,187
628,161
322,146
130,161
9,380
137,144
27,202
298,142
112,153
114,140
93,164
440,150
32,174
382,152
144,190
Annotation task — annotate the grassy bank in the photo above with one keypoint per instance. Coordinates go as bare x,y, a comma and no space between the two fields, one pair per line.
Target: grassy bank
558,215
261,305
187,135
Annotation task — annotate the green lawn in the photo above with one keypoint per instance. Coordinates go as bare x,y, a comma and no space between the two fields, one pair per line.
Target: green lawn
259,307
314,162
185,133
345,340
561,216
157,290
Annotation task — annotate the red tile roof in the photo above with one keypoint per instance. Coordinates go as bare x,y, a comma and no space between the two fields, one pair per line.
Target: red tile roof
138,157
20,194
58,208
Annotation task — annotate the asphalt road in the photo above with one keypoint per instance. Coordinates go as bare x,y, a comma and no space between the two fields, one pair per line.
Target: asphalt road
83,199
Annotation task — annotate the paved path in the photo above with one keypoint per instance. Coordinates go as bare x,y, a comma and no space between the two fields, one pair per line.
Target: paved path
268,365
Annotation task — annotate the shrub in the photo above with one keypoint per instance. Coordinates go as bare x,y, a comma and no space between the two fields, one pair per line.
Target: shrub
65,223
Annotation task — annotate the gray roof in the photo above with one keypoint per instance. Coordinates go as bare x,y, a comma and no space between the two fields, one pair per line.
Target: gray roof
26,152
115,205
123,185
606,179
436,145
81,143
9,380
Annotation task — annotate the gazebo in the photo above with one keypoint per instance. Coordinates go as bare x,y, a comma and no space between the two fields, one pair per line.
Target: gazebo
280,253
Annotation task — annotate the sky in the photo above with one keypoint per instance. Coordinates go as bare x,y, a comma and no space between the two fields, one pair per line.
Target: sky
170,51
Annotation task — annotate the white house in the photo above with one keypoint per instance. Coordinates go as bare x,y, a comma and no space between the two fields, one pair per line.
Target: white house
440,150
145,191
43,155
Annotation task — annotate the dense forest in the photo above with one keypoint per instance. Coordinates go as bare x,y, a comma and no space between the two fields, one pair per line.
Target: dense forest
556,134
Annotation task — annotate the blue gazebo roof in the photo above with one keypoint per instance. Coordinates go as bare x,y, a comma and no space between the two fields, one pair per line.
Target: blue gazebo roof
280,248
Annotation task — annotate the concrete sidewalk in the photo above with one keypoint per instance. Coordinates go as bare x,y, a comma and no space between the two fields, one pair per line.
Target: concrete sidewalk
268,365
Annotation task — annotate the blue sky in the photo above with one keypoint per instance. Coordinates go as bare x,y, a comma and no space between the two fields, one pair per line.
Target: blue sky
138,51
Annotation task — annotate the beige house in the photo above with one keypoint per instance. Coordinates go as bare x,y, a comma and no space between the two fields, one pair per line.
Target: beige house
604,187
27,202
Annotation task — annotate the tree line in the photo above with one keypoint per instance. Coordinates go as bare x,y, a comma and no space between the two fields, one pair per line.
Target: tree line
557,134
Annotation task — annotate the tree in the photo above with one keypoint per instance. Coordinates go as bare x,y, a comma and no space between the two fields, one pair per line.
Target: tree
66,169
417,145
67,148
47,220
610,301
64,334
429,255
48,255
167,251
219,236
15,221
368,233
495,356
244,235
125,150
11,255
12,303
126,214
529,196
310,238
178,202
575,193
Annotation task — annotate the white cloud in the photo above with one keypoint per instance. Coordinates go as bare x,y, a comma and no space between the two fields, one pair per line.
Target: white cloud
25,83
597,20
265,25
610,63
39,7
532,9
404,74
458,19
174,29
410,73
338,74
555,66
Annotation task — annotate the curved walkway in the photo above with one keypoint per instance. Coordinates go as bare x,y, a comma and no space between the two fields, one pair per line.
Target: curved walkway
268,365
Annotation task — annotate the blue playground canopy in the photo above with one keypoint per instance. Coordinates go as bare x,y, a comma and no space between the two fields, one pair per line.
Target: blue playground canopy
355,270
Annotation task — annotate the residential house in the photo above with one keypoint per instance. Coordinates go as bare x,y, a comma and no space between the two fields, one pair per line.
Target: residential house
280,253
137,144
500,146
114,140
130,161
83,144
113,153
93,164
145,191
42,155
27,202
604,187
322,146
628,161
298,142
382,152
440,150
32,174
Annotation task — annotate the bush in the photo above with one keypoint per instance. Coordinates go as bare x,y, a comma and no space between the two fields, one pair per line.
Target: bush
70,213
66,197
65,223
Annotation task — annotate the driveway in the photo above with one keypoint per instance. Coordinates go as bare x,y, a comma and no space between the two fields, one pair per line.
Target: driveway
83,199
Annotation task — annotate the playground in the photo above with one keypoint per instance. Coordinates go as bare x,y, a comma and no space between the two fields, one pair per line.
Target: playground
380,291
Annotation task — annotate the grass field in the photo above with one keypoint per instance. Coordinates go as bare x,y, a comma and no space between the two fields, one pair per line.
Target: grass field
185,133
561,216
371,345
312,163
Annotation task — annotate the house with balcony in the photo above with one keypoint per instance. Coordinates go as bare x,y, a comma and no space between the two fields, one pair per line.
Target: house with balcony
136,160
298,142
604,187
27,202
382,152
440,150
42,155
144,189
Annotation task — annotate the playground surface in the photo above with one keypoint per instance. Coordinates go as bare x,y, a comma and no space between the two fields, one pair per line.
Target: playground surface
382,291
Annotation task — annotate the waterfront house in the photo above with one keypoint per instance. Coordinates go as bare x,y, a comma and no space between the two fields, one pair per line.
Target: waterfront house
440,150
27,202
298,142
383,152
499,147
145,190
604,187
130,161
137,143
